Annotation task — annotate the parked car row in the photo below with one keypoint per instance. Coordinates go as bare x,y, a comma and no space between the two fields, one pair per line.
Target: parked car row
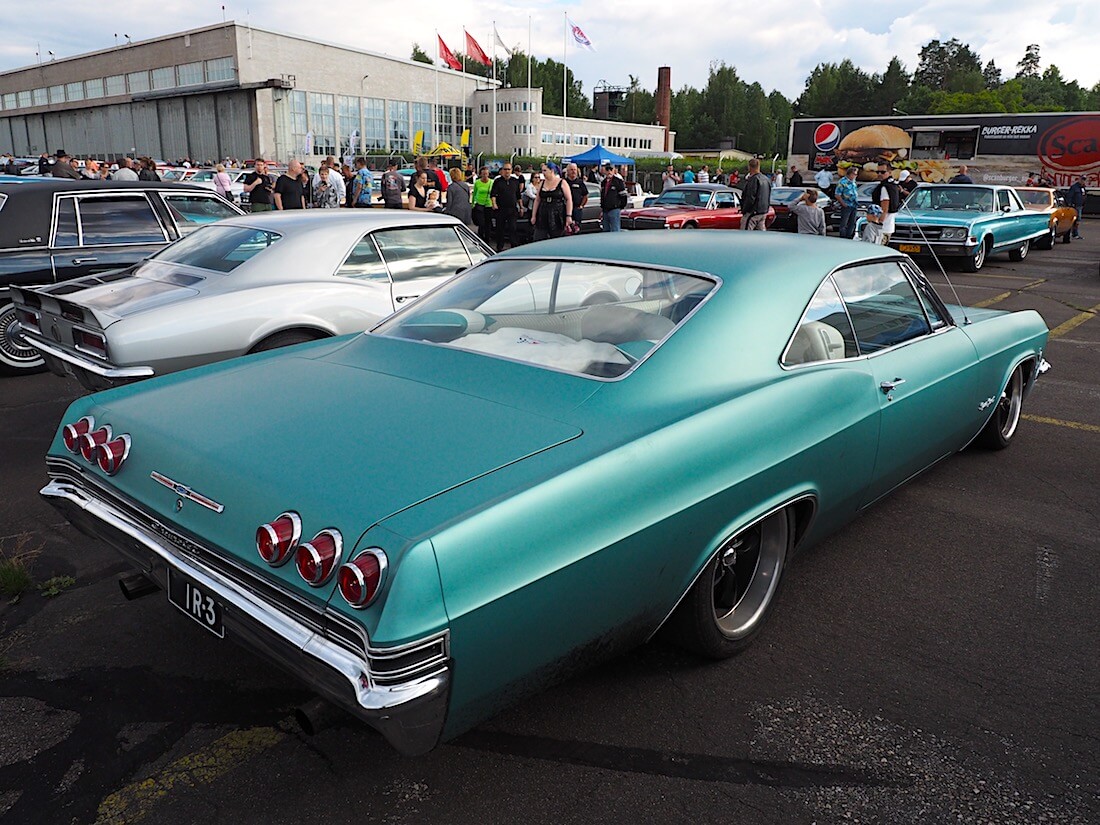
691,206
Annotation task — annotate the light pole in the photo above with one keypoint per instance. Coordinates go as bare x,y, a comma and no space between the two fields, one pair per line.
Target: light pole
898,111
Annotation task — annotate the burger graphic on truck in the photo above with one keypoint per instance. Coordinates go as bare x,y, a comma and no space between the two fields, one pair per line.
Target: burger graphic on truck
869,146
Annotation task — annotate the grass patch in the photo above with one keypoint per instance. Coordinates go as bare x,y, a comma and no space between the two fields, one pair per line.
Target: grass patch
56,586
15,566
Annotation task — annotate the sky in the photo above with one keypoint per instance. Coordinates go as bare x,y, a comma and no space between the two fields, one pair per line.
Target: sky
631,37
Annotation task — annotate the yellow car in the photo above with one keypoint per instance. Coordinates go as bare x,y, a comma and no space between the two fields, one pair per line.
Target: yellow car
1062,216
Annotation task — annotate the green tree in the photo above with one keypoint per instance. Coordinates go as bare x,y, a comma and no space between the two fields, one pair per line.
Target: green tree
890,88
992,75
1029,63
951,103
639,106
420,56
781,113
837,90
940,65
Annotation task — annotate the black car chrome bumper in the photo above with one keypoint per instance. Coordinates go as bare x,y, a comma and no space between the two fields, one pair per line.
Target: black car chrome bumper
409,714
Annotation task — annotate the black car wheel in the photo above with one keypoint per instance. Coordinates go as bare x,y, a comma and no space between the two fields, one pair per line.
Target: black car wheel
998,431
1067,238
730,601
16,356
1020,252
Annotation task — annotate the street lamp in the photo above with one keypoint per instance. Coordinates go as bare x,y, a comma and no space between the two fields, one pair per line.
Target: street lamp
898,111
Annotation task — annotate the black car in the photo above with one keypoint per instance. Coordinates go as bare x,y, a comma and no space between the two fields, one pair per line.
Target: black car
55,230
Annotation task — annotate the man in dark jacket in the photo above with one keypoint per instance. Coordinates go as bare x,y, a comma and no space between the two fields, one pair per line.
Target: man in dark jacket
505,196
1076,199
612,198
756,198
63,166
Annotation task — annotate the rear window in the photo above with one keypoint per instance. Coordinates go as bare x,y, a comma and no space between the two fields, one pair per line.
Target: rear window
218,248
591,319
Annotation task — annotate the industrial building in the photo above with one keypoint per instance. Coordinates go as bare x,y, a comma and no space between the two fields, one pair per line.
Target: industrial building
233,90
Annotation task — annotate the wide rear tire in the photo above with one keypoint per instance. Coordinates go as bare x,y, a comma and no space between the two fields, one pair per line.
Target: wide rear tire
1047,241
730,601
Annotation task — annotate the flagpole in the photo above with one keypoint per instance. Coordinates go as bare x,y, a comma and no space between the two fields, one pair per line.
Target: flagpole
529,87
564,81
435,113
494,89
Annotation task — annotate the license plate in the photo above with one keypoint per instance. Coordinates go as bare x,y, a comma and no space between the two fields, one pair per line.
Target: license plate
909,247
193,600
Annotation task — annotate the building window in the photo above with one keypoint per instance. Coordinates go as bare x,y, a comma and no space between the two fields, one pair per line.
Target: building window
93,88
374,124
350,124
483,131
397,113
57,94
23,99
138,82
220,69
74,91
485,108
9,100
39,97
322,119
299,122
445,124
189,74
546,137
116,85
164,78
422,122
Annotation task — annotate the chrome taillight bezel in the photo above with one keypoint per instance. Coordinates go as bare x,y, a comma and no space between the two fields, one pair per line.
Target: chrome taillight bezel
310,549
71,433
268,528
89,442
383,565
105,456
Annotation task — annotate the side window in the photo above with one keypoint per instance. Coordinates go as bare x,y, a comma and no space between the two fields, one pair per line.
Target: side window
1003,201
192,211
68,232
364,263
475,250
824,333
882,304
724,200
422,252
119,220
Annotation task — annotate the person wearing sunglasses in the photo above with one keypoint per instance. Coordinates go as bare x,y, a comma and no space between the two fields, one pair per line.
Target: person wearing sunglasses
888,197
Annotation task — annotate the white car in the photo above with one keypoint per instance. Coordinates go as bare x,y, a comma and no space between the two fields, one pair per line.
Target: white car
243,285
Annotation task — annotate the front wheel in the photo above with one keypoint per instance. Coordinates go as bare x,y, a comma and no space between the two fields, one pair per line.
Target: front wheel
998,431
1020,253
17,357
977,260
730,601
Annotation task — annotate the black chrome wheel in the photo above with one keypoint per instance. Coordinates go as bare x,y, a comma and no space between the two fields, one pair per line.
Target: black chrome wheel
17,357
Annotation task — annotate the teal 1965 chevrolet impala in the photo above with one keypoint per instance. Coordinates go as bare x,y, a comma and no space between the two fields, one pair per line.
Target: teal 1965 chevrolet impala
551,457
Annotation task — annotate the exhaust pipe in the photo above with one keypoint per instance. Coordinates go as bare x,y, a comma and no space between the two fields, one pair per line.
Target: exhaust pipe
137,585
316,715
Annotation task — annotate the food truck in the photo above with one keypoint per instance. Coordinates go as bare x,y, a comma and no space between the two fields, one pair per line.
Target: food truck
995,148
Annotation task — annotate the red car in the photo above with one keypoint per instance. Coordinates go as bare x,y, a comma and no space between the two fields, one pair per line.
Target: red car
691,206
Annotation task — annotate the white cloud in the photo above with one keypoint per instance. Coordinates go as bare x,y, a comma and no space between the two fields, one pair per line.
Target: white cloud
777,48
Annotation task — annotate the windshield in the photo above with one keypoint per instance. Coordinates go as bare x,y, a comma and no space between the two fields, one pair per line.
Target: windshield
592,319
953,198
218,248
786,195
683,197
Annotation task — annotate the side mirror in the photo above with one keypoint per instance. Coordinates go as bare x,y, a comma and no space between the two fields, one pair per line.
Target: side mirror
1006,208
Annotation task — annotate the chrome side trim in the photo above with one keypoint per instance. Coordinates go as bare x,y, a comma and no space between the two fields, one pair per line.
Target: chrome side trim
85,363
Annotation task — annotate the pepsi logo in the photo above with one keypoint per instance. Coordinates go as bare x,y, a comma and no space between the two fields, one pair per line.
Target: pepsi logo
826,137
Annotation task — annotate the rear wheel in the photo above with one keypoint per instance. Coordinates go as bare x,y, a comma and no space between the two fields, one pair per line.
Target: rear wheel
730,601
690,225
998,431
1047,241
1020,252
288,338
1068,236
16,356
977,260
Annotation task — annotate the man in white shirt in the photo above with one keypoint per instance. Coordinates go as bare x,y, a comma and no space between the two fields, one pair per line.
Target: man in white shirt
824,179
704,175
125,170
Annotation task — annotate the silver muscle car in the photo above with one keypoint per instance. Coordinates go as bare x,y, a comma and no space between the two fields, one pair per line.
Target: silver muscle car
243,285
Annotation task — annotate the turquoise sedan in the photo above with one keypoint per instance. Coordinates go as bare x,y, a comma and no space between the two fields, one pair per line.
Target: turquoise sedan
969,222
550,458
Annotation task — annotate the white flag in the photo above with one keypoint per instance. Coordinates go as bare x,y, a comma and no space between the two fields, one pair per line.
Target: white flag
579,36
500,42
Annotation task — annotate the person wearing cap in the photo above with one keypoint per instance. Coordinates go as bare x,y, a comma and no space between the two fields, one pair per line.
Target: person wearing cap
63,166
906,182
612,199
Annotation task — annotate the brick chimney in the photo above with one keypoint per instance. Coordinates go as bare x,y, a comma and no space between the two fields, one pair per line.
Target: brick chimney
663,99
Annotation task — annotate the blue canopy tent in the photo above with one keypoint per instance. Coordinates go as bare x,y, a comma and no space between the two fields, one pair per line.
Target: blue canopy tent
598,155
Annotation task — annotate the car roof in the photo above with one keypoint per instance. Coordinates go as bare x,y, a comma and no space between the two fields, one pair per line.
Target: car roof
294,220
709,187
29,208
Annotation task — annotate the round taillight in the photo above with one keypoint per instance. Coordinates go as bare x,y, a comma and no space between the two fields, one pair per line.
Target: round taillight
111,454
91,440
275,540
72,432
318,557
360,580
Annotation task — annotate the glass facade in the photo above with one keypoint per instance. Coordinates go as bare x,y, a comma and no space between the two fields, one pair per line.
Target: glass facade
299,122
374,124
349,122
422,122
322,121
397,112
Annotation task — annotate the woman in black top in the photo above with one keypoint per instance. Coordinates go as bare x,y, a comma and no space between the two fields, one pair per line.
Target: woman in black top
148,170
421,198
553,208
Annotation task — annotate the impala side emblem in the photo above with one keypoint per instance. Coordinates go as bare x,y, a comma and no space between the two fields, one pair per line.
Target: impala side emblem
987,403
185,492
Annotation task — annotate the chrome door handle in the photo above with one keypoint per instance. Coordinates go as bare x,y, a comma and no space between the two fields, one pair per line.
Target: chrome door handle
402,298
79,261
888,386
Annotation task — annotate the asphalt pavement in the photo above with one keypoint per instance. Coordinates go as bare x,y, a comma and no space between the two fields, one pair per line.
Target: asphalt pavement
933,662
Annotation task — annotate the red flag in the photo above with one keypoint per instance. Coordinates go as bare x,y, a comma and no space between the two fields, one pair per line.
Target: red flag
475,51
447,56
